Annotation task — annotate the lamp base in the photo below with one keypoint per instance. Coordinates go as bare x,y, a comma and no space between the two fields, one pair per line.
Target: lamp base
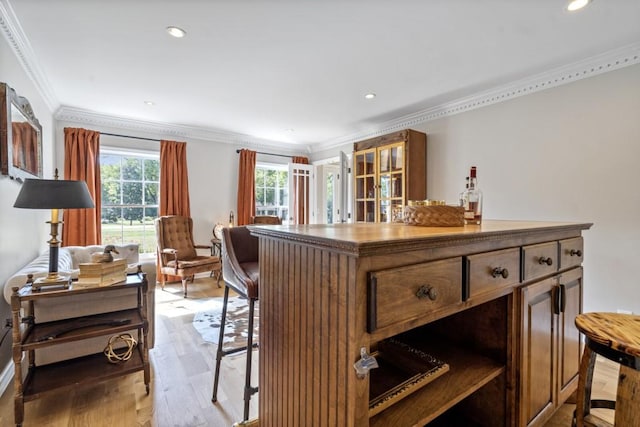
52,280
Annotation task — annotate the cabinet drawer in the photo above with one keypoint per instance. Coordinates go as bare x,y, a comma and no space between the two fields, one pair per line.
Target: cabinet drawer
571,252
539,260
491,270
404,293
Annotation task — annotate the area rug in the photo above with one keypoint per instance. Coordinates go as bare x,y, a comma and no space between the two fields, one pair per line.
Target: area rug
207,323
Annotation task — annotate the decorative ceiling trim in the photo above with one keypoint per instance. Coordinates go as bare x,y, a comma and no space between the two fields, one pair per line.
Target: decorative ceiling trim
19,43
609,61
95,119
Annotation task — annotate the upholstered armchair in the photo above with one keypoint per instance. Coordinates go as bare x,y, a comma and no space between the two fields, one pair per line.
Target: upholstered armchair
266,219
177,253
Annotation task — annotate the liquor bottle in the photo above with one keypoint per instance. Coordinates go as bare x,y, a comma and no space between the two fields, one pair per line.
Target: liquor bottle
473,200
462,194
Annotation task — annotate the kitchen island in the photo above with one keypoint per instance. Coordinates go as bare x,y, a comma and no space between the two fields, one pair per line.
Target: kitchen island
487,311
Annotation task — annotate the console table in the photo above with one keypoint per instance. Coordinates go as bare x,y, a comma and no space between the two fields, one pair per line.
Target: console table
29,336
494,302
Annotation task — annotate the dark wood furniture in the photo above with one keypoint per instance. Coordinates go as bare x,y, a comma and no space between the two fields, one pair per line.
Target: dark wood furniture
388,171
461,294
240,273
616,337
266,219
29,336
177,252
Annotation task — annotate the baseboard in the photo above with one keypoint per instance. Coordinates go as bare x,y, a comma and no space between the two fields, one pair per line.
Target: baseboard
6,377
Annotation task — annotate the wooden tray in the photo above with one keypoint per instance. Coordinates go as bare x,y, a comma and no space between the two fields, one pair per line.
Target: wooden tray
402,370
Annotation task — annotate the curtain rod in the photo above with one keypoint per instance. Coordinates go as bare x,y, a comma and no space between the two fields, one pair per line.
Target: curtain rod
269,154
128,136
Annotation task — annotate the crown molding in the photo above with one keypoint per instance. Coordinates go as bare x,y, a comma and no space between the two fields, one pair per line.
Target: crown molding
95,119
599,64
19,43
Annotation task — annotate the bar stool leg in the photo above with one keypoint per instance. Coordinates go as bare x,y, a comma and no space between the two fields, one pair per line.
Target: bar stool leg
585,380
628,398
220,353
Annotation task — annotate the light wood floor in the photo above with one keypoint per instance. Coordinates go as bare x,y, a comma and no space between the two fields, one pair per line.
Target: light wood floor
181,381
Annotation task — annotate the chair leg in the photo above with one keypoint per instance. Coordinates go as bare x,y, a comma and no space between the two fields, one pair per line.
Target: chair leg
184,286
248,390
220,353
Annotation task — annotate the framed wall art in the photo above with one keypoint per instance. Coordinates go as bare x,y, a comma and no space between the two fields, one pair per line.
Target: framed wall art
20,136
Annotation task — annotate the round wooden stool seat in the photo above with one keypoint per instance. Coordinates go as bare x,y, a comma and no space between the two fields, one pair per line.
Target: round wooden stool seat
617,337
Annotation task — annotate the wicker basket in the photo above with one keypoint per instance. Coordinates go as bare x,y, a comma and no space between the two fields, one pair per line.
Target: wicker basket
434,216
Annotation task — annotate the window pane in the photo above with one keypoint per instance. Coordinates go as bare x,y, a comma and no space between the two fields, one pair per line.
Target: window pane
109,167
150,214
151,193
132,193
111,215
270,196
110,193
132,169
132,214
151,170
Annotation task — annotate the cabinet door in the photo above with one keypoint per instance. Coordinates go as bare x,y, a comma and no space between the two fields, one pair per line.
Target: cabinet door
390,181
569,351
538,391
365,185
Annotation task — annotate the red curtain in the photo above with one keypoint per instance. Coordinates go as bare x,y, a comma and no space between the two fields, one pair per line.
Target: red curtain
81,162
301,188
174,188
246,187
174,180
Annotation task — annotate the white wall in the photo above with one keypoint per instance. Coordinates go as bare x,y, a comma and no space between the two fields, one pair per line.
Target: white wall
24,231
569,153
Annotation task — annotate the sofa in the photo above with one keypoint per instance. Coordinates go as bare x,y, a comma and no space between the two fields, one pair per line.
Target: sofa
69,259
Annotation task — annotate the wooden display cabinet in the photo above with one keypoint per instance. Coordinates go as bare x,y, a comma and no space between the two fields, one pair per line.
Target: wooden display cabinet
328,292
29,336
388,171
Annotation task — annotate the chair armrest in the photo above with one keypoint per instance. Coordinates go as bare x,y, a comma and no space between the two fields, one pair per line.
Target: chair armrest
203,246
169,251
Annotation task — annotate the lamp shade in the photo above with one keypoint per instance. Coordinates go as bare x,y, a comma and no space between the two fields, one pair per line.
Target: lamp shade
53,194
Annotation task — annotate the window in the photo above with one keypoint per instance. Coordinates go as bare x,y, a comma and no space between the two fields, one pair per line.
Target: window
272,190
130,190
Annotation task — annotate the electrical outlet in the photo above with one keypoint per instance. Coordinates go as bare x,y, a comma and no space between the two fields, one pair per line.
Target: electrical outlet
8,323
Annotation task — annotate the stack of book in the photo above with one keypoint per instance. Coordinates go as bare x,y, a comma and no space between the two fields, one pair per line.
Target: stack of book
102,273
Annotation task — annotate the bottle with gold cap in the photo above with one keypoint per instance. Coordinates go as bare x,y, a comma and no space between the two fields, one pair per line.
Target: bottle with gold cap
473,200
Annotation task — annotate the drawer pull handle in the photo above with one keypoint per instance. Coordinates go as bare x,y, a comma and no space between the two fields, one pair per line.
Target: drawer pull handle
499,271
544,260
573,252
427,291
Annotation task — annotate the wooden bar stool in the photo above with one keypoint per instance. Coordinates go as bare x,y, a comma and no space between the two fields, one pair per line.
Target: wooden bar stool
616,337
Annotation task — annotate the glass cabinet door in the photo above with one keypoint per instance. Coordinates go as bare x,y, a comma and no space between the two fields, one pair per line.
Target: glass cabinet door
379,183
365,185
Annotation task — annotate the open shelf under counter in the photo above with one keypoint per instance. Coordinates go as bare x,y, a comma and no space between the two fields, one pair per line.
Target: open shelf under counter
468,372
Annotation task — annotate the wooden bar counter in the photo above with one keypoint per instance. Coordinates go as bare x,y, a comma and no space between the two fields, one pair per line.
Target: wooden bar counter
493,303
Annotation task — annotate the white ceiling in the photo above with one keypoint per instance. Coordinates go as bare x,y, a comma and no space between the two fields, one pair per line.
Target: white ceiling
261,68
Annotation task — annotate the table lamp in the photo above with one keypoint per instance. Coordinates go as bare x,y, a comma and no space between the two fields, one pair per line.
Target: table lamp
53,194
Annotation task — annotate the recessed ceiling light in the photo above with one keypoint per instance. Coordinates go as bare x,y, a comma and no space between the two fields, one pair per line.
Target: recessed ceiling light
176,32
290,130
149,102
370,95
577,5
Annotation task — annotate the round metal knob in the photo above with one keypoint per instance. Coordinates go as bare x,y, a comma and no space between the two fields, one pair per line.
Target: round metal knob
573,252
426,291
543,260
499,271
